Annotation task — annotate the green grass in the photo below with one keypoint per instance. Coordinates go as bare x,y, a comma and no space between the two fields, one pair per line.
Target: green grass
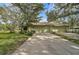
10,41
66,37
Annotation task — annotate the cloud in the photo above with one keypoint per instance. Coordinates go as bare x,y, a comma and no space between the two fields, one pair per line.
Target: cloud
48,7
43,20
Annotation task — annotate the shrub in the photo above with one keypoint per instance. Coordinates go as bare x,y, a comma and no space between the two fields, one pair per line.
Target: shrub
30,33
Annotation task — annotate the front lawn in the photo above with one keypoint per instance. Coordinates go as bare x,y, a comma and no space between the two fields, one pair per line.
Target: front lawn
10,41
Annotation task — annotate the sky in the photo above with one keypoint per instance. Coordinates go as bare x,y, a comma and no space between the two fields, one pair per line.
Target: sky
47,7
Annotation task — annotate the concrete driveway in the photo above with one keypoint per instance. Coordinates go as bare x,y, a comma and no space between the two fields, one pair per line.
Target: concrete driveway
47,44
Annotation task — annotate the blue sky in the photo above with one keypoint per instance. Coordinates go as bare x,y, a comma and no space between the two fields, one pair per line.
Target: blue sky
48,7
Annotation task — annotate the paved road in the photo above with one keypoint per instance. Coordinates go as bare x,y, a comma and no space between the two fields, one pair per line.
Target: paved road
47,44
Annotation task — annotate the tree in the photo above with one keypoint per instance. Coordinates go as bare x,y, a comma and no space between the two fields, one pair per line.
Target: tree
10,16
2,10
29,14
65,10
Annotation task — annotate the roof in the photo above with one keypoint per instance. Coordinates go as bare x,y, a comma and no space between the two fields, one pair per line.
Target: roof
49,24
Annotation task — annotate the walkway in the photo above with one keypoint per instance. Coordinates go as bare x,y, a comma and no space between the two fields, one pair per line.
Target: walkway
47,44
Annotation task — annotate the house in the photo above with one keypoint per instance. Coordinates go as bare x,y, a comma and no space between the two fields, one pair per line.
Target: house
48,27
